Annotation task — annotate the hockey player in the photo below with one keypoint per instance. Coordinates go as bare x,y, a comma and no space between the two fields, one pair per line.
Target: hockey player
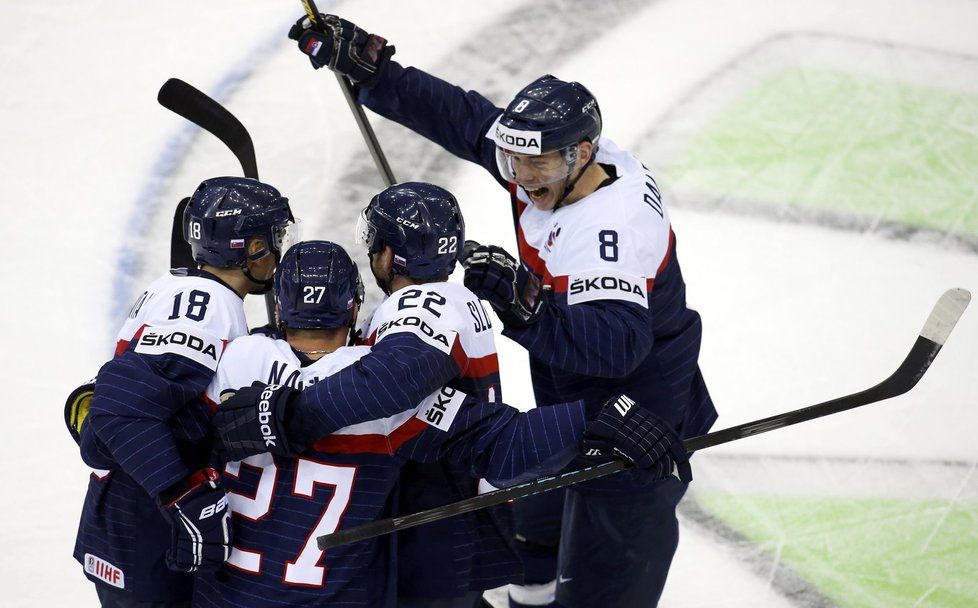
426,334
413,233
156,511
597,298
282,504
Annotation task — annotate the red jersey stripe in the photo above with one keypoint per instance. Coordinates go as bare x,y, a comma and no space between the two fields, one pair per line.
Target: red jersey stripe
372,444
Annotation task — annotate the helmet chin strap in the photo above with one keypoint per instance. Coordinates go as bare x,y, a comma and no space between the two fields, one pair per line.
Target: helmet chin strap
383,283
569,184
266,285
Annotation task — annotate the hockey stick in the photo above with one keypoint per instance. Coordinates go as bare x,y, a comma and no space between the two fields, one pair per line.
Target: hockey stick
937,328
189,102
350,93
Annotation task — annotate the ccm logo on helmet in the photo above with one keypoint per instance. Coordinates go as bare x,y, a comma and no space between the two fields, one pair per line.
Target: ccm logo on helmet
228,213
408,223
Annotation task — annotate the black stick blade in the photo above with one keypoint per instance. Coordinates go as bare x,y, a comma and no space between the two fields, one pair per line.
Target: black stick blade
187,101
181,255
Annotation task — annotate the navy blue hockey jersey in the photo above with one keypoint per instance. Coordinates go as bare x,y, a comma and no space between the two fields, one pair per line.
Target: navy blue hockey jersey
280,505
472,551
617,320
146,428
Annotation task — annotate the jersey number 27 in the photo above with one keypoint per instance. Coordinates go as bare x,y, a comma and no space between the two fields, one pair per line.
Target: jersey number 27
304,570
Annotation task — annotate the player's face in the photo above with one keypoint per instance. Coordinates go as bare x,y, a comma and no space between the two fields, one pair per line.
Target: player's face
380,267
541,176
262,269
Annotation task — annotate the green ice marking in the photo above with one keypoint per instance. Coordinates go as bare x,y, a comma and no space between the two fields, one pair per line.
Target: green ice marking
867,553
843,142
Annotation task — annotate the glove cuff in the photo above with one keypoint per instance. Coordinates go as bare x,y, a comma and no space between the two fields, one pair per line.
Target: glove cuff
177,491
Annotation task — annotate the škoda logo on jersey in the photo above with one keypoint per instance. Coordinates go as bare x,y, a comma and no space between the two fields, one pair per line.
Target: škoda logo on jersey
440,408
591,286
416,325
190,343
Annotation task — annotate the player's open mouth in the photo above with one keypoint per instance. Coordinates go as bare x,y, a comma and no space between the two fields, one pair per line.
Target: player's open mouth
538,194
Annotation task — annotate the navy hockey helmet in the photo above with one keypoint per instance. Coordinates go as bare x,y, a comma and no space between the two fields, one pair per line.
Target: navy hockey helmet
317,286
548,115
423,225
225,212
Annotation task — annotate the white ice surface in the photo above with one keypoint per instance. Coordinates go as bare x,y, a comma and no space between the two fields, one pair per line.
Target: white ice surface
793,314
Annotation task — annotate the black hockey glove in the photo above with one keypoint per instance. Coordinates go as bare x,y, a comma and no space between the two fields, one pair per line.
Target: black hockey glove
511,289
197,509
640,437
76,408
343,48
252,422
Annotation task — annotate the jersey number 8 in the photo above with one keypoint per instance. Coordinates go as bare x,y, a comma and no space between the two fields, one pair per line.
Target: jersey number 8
609,245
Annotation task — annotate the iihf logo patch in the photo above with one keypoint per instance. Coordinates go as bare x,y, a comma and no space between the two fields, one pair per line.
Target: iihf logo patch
104,571
553,237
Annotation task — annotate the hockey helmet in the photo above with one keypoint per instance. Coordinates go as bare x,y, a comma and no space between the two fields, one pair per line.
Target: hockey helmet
225,212
423,225
317,286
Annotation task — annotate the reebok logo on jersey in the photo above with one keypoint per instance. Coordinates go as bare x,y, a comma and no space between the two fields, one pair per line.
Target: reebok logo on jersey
440,408
416,325
606,285
184,341
104,571
265,414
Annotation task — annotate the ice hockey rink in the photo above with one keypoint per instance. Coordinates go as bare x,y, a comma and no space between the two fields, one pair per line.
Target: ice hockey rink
821,165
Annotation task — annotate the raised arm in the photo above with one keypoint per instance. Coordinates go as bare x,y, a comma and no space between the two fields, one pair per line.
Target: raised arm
453,118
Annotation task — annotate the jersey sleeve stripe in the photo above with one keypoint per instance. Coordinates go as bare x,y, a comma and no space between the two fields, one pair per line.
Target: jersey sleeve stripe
373,443
474,367
209,403
559,284
122,345
665,258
